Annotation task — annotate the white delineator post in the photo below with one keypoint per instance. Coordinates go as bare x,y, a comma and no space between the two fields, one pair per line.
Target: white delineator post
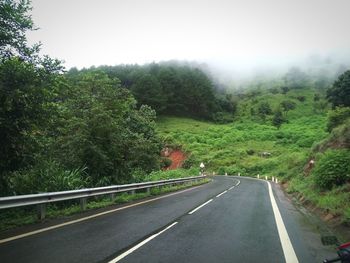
266,178
201,166
258,176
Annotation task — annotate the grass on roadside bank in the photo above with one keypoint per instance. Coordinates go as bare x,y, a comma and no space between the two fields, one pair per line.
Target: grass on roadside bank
334,202
16,217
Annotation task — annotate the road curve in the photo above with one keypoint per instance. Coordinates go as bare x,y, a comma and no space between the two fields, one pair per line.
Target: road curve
230,219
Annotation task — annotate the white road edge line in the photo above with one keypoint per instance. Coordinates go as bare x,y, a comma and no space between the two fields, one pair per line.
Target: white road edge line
224,192
238,182
288,250
199,207
90,217
231,188
140,244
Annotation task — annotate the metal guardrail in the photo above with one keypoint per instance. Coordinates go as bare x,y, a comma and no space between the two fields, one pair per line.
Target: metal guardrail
43,198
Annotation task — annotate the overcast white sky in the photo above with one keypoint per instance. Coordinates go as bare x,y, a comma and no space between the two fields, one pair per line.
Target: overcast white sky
230,32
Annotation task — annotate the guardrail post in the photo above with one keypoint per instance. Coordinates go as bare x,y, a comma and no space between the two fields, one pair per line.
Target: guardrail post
132,192
41,211
148,190
112,196
83,203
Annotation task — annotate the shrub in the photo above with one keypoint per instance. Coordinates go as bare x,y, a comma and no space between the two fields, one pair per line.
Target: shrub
337,117
47,176
189,162
250,152
301,98
139,175
332,169
165,162
221,171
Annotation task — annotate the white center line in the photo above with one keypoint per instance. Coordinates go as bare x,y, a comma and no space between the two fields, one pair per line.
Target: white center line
221,193
199,207
140,244
288,250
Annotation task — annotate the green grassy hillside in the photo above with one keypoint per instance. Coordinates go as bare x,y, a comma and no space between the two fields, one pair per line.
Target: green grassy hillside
238,146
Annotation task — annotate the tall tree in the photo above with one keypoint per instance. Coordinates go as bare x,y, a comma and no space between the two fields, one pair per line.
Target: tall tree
105,132
27,88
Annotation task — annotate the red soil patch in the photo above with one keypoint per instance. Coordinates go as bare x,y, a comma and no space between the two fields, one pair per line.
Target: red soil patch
177,157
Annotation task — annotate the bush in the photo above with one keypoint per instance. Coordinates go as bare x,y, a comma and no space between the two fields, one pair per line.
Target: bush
47,176
301,98
222,170
139,175
332,169
165,162
250,152
189,162
337,117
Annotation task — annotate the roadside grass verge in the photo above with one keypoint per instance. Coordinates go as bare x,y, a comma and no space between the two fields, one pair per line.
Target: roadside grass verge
16,217
335,201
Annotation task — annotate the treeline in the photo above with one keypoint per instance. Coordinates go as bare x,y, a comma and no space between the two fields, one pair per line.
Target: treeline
171,88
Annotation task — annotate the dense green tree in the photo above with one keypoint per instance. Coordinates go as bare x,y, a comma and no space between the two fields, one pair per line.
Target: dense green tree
105,132
288,105
339,93
14,23
28,84
264,109
278,119
148,91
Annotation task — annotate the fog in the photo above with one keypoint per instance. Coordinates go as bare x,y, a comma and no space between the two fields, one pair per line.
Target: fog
237,39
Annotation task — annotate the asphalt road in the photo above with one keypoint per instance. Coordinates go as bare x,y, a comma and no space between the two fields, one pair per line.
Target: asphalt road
231,219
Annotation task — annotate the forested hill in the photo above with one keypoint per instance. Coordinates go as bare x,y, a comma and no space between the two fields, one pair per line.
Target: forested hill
169,88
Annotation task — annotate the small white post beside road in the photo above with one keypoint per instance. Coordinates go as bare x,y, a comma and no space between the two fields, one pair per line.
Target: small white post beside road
202,166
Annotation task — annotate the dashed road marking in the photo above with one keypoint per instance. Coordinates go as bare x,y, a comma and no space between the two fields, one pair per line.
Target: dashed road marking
199,207
224,192
128,252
